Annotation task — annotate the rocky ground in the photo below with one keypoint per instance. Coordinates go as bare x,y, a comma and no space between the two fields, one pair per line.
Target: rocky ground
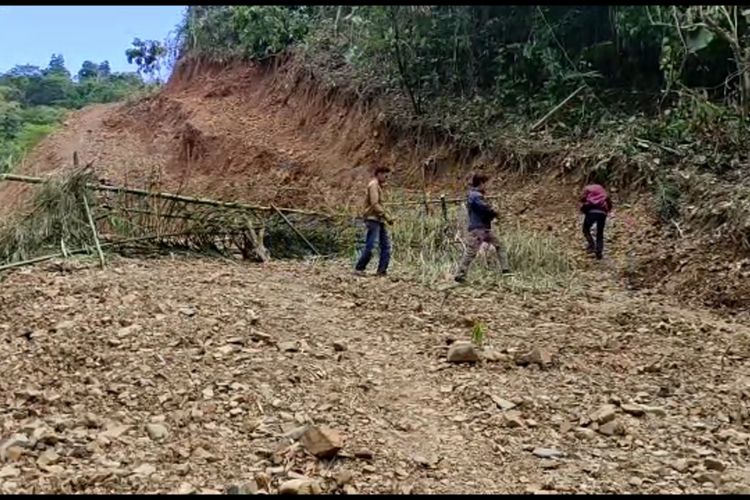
182,375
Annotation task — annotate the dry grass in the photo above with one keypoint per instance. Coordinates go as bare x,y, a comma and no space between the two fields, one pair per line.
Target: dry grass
55,219
429,248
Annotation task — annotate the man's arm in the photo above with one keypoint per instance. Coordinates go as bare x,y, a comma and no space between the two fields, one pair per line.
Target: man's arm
482,207
377,207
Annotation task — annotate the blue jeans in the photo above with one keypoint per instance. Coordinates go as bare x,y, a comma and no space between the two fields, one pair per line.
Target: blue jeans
375,231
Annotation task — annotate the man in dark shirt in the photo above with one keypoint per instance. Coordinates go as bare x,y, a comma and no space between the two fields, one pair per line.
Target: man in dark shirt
481,216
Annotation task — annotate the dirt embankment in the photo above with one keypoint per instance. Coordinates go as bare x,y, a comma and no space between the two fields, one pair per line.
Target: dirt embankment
265,135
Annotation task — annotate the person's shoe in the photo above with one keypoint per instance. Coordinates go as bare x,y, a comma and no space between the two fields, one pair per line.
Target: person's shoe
506,272
590,250
460,279
359,273
599,256
381,273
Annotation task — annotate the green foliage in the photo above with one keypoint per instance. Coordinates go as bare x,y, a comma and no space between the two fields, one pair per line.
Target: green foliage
242,31
147,55
34,100
479,334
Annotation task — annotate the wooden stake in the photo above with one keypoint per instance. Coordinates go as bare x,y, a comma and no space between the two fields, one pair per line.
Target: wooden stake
93,230
295,230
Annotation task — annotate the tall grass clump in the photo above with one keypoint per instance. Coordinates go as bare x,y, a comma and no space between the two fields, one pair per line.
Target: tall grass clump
429,248
55,219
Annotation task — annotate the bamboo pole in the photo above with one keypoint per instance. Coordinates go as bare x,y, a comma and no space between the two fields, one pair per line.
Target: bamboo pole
93,230
296,231
554,110
171,196
85,250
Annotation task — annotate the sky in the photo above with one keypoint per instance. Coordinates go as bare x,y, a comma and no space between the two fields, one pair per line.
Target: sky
31,34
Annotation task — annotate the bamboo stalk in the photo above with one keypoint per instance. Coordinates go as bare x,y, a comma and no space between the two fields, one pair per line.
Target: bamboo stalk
93,230
171,196
554,110
85,250
296,231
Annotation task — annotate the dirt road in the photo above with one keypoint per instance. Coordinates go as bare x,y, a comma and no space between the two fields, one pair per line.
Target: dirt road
226,358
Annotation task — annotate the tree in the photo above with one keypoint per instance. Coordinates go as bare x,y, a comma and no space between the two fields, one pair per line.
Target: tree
51,89
57,66
104,69
88,70
24,71
147,55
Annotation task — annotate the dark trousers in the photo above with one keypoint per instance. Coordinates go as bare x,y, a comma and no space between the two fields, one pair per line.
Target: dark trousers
375,231
598,218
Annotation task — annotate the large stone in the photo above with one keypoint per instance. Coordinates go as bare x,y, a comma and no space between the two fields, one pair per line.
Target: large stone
604,414
713,464
612,428
633,409
15,441
503,404
654,410
300,487
548,453
463,352
157,432
9,471
322,442
512,419
247,488
288,346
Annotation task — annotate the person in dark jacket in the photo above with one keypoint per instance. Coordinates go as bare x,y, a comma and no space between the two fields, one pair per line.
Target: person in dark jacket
481,216
595,204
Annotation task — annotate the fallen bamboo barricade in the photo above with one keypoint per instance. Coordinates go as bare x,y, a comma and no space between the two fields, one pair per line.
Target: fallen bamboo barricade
75,211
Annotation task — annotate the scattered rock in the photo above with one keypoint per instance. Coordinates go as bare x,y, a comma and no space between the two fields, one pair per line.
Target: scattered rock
344,477
157,432
633,409
115,431
185,489
512,419
536,356
15,441
14,453
144,470
49,457
364,454
654,410
339,346
503,404
300,487
708,477
322,442
247,488
288,346
548,453
635,481
462,352
612,428
680,465
584,433
713,464
9,471
604,414
494,355
296,433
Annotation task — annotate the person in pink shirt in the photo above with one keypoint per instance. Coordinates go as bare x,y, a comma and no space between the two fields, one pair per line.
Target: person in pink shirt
595,204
